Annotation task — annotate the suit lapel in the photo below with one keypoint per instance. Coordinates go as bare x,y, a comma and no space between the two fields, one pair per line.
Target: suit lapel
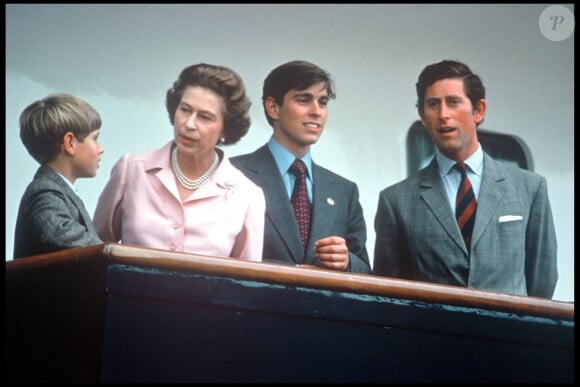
278,208
325,198
491,194
49,174
434,196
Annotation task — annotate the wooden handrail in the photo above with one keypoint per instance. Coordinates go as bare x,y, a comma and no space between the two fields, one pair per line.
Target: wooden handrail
306,276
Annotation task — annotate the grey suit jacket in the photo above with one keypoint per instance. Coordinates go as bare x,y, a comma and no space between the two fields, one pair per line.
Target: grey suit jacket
51,217
336,210
513,247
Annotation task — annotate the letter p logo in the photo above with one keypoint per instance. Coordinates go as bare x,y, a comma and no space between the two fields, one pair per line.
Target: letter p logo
557,23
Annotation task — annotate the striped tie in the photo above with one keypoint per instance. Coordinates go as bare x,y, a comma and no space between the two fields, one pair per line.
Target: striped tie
300,201
465,205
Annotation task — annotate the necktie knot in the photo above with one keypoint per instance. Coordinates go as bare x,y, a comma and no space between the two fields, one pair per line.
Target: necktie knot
460,167
298,168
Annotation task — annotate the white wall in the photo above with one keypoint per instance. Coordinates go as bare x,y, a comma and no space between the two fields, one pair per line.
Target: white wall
123,58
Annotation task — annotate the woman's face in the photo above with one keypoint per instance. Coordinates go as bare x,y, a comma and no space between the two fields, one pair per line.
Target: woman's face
199,121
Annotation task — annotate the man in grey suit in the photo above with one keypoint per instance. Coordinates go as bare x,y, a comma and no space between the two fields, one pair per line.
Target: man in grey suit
512,246
295,98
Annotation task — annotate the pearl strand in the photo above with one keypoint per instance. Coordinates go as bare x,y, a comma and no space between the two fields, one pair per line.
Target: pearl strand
195,183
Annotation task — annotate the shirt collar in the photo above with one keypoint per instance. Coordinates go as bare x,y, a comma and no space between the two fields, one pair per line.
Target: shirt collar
68,182
474,162
284,158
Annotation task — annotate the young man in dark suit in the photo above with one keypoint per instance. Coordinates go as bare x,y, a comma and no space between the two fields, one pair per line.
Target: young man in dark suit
295,99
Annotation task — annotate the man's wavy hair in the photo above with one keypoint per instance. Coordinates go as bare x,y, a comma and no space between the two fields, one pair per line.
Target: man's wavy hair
446,69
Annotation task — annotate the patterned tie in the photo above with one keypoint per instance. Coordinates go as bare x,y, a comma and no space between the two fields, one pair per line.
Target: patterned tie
465,205
300,202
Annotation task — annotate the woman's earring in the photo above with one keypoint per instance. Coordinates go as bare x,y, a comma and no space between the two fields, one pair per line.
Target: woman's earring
222,140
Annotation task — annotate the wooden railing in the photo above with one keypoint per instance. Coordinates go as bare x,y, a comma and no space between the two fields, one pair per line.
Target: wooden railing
118,313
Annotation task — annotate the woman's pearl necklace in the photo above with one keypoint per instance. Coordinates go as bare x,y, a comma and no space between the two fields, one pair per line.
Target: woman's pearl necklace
195,183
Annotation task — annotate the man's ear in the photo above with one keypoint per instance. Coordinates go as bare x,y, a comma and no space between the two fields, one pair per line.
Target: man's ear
69,143
479,111
271,107
422,116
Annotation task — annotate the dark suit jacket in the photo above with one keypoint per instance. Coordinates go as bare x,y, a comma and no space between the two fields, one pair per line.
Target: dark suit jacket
51,217
336,210
513,247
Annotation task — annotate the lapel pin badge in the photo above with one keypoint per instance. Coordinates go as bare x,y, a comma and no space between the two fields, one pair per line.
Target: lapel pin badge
330,201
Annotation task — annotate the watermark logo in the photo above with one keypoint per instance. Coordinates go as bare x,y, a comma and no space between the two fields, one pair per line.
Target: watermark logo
557,23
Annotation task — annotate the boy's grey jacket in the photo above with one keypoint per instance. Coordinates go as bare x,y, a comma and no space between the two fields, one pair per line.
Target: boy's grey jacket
51,217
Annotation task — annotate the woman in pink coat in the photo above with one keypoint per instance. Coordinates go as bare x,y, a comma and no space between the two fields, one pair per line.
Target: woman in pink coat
187,196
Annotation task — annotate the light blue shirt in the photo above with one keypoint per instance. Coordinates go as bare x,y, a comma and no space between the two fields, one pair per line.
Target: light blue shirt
452,177
284,159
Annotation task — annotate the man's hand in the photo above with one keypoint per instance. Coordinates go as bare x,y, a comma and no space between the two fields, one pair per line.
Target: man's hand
332,253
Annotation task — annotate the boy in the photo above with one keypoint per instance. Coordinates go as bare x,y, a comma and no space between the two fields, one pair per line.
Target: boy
61,133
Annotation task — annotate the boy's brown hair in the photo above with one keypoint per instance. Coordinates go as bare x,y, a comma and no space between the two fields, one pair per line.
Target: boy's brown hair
44,123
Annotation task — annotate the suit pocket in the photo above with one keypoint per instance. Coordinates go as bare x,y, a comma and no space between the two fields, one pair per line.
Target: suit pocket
512,226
